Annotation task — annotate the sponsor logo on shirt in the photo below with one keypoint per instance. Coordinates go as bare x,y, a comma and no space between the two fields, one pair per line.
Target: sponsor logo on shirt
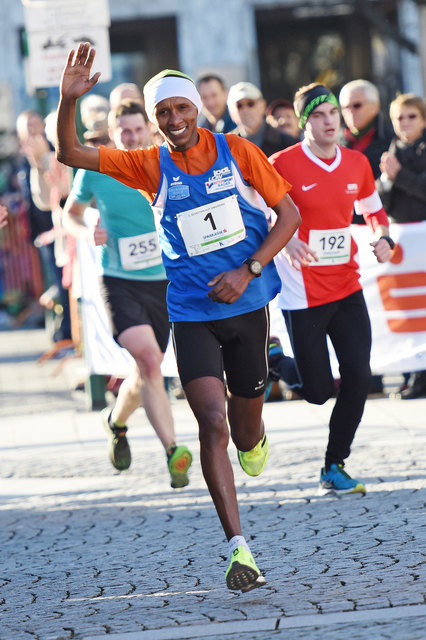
308,187
220,181
177,190
351,188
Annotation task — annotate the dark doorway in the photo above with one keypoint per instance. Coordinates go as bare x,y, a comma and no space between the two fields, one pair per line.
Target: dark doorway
329,43
141,48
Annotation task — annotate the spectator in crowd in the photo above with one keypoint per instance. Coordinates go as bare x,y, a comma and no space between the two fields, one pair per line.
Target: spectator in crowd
280,114
365,129
30,128
98,133
247,107
92,109
131,91
125,91
3,216
402,186
134,291
215,113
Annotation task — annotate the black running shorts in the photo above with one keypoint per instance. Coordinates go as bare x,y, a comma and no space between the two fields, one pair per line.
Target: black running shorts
235,346
130,303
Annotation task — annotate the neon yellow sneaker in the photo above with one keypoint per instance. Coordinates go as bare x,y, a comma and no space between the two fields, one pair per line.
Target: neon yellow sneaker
243,574
254,461
179,459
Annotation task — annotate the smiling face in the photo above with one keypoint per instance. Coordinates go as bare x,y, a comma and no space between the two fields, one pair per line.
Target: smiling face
177,120
130,132
322,126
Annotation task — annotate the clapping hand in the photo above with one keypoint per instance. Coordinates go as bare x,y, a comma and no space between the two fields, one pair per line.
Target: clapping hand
3,216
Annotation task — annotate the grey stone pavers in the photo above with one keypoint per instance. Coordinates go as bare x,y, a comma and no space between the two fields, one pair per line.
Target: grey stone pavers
90,553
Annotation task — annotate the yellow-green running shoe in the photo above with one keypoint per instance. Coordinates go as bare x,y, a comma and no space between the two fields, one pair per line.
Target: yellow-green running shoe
254,461
119,450
243,574
179,459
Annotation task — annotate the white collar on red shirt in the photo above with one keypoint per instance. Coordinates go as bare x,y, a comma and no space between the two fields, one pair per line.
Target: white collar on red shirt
323,165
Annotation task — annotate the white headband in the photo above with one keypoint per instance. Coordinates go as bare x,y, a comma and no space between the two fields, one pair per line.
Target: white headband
169,87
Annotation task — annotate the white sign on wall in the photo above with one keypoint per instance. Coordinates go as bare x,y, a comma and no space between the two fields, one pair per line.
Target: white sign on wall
57,15
54,28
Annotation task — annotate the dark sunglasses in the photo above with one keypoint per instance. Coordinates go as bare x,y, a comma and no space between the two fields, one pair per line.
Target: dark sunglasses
355,105
410,116
249,103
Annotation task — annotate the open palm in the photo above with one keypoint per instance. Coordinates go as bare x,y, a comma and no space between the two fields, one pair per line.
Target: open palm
76,79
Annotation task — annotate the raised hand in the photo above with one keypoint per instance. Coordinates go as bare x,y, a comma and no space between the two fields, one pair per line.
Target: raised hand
76,79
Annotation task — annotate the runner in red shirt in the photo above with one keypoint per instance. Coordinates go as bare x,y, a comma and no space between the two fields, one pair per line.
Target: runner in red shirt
321,294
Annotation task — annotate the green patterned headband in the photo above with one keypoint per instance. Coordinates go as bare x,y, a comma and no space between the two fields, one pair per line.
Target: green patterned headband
312,103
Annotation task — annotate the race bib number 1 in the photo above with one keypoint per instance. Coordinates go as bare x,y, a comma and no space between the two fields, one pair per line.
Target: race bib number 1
212,226
139,252
332,246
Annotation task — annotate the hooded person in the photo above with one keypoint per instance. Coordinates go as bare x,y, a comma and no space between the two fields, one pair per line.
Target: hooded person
218,254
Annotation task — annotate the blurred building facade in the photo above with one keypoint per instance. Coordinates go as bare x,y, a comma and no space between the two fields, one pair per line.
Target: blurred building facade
277,44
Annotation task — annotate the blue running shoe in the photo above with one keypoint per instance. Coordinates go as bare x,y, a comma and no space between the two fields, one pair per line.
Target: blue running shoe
337,481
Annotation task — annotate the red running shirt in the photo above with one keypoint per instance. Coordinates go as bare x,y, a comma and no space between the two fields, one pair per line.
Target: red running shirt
326,194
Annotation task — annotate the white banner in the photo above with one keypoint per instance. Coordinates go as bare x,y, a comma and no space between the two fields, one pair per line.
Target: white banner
395,293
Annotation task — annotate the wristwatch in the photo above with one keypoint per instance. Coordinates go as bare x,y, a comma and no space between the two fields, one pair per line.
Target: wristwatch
389,241
255,267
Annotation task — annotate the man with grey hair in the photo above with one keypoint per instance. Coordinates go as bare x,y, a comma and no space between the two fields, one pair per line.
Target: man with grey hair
366,129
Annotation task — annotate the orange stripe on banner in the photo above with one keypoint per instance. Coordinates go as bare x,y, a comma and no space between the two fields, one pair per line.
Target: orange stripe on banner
388,287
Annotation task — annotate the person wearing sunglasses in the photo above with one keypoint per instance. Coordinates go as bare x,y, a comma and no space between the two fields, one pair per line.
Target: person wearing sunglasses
365,129
247,107
402,186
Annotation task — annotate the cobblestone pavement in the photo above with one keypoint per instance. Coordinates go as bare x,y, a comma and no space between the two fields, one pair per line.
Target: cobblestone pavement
88,553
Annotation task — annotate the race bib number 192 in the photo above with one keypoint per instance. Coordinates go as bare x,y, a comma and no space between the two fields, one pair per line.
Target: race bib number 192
332,246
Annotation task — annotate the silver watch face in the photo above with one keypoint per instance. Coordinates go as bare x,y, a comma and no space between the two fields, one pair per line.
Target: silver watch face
255,267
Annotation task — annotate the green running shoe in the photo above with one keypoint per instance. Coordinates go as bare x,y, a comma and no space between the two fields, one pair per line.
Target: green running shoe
243,574
179,459
119,450
254,461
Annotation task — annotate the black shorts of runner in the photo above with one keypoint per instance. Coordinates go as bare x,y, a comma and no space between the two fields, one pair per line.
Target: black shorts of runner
237,346
130,303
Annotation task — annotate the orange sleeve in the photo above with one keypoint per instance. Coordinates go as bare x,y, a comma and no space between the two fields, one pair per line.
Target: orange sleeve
139,168
257,171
